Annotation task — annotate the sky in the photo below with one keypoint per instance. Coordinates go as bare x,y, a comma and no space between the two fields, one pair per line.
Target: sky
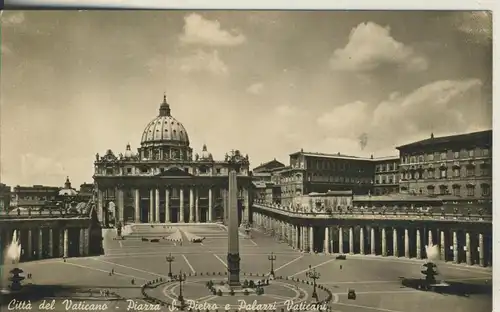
76,83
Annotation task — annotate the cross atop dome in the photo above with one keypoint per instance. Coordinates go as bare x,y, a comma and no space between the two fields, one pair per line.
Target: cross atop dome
164,107
67,184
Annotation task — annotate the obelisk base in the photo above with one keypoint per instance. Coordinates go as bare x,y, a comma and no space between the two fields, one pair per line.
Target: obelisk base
233,268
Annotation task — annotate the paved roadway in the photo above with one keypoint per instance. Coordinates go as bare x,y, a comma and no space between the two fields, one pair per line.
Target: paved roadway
375,279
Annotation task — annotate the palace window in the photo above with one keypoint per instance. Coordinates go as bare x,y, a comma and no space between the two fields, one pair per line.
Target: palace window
456,190
456,154
485,170
443,190
470,190
443,173
443,156
217,170
456,172
421,159
417,175
129,170
471,153
485,190
470,171
413,159
430,157
486,152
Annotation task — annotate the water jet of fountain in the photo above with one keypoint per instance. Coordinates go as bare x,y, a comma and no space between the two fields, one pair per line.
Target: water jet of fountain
12,256
432,252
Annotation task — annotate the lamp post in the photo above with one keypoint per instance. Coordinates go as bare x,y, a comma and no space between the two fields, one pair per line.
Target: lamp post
312,274
182,278
272,258
170,259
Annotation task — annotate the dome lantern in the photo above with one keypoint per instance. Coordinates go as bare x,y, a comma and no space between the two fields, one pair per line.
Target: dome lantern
164,107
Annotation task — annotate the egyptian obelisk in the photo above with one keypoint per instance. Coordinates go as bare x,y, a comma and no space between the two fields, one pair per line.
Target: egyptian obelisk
233,252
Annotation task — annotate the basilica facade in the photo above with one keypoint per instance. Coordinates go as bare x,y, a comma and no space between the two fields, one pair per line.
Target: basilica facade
166,181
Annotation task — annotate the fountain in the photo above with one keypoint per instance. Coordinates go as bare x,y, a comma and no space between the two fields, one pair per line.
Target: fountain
430,268
11,257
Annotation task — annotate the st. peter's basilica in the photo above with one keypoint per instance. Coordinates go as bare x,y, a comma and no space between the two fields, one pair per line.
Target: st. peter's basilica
164,182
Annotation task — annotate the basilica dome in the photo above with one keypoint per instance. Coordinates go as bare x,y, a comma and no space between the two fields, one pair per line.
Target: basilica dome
164,130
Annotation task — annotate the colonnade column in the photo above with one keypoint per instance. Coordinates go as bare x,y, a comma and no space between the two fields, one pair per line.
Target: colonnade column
181,205
384,243
65,243
210,212
311,239
51,243
61,242
407,244
151,207
295,237
196,206
351,240
455,247
362,240
326,243
341,240
40,243
157,206
468,257
30,244
442,251
481,249
373,250
419,246
167,205
137,206
430,241
395,251
81,242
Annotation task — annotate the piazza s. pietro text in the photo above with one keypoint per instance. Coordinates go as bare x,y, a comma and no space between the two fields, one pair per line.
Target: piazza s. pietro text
246,161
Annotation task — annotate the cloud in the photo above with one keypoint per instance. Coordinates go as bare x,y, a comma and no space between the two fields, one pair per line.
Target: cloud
202,61
256,88
446,106
370,46
11,18
198,30
476,25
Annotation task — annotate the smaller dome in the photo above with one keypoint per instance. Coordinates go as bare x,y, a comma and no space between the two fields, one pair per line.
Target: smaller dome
205,155
128,152
67,190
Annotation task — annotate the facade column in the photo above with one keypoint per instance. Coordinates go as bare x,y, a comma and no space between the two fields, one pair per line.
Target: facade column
40,243
419,246
455,247
191,204
210,212
196,205
326,246
481,249
137,206
100,203
362,240
407,244
157,205
395,251
29,247
341,240
351,240
167,205
181,205
442,251
373,250
120,204
468,251
51,243
384,243
65,244
246,201
151,206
